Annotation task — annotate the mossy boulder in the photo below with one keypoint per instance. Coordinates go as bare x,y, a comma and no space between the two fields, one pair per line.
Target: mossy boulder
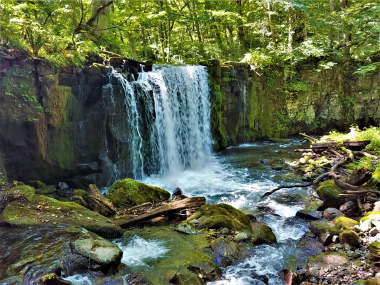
261,233
329,193
128,192
350,237
344,223
220,216
324,226
40,209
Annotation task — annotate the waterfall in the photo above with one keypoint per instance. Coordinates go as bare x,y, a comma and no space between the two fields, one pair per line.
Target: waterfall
168,113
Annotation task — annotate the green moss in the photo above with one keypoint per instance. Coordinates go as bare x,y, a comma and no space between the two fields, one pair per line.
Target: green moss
45,210
261,233
129,192
324,226
184,250
221,216
80,192
349,237
329,193
345,223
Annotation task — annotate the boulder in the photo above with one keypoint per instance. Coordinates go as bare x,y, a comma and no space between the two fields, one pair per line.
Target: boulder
225,252
97,249
128,192
261,233
350,237
349,208
345,223
329,193
332,213
221,216
39,210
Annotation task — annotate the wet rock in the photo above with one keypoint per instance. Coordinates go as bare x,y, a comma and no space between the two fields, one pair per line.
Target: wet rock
129,192
225,252
38,253
261,233
185,277
329,193
177,192
313,204
97,249
332,213
323,226
187,229
277,167
314,216
39,210
206,271
137,279
265,161
349,208
349,237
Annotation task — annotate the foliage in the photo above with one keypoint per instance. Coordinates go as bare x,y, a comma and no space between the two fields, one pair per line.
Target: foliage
372,134
261,33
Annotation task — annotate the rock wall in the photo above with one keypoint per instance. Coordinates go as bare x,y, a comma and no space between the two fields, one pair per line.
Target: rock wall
61,124
280,103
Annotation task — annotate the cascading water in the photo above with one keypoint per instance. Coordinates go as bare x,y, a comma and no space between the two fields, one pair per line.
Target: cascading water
168,111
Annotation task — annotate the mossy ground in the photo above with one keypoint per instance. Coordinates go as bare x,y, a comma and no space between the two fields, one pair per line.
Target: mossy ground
40,209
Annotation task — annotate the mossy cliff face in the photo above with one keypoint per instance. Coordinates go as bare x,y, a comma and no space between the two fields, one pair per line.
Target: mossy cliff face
61,124
249,105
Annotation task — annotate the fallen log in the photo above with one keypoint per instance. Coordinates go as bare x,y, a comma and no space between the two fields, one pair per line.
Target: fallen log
356,145
165,208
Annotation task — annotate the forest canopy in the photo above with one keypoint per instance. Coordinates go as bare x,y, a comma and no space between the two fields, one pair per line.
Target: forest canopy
259,32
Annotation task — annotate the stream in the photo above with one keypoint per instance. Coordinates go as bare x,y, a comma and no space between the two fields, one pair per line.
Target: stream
239,176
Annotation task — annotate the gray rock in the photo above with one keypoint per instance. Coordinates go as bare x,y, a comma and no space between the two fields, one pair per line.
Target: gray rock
97,249
332,213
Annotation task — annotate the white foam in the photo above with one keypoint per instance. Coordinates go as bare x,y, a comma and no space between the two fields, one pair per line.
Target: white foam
138,250
78,279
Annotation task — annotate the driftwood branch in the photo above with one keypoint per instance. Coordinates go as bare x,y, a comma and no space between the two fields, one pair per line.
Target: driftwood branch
316,181
309,138
172,206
